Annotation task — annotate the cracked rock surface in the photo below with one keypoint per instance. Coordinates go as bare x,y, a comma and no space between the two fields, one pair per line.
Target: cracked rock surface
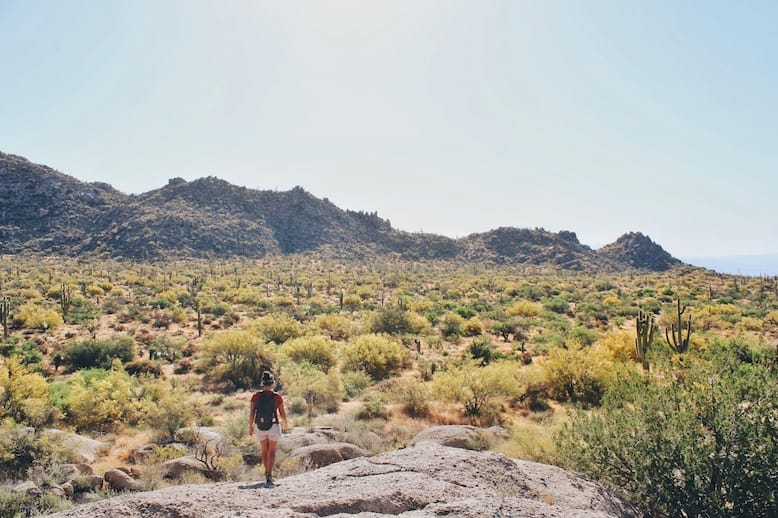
422,481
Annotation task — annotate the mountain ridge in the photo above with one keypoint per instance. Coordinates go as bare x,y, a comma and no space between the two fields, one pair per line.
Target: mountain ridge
46,211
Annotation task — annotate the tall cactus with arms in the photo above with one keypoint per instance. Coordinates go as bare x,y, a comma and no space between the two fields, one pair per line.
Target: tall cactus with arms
645,327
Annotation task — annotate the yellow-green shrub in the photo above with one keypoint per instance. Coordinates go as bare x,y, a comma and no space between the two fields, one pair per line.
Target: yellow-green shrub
24,395
237,357
377,355
33,316
579,374
525,308
480,390
102,402
277,327
321,391
472,327
318,350
335,326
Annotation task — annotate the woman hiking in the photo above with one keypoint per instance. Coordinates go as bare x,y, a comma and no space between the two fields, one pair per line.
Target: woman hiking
266,407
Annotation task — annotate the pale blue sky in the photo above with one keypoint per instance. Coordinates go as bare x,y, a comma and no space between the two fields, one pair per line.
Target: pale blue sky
600,117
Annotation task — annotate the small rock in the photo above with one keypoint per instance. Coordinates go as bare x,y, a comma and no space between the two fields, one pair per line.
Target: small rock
175,468
120,480
317,455
27,488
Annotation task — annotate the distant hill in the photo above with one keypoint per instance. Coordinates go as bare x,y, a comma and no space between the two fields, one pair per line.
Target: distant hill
45,211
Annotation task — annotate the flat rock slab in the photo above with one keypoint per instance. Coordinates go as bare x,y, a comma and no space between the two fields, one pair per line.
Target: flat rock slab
423,481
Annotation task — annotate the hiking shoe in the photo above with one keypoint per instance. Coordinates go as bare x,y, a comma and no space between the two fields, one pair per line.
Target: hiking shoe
269,481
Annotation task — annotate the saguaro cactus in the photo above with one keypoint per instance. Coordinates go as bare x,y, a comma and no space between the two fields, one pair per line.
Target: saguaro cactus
194,291
645,326
65,293
679,343
5,312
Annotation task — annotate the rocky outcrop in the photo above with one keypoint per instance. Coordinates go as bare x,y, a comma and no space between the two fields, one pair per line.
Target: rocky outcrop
638,251
426,480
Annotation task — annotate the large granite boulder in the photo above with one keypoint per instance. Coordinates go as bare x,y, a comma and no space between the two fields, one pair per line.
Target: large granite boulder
422,481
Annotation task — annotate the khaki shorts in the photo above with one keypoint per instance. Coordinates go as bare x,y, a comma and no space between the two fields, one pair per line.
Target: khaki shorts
274,434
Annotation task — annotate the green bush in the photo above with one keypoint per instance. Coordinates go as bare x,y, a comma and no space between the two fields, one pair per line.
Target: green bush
355,383
693,440
393,321
25,351
99,353
379,356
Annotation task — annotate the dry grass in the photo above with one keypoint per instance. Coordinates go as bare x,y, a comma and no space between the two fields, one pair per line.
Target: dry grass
532,436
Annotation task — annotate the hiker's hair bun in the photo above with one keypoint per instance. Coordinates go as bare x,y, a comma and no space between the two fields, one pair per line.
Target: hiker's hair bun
267,378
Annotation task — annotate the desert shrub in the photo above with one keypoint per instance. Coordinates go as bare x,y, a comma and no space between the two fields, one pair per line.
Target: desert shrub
352,302
337,327
620,344
320,390
33,316
237,357
373,406
392,320
525,308
25,351
143,367
99,353
22,448
277,328
166,348
377,355
579,375
100,400
355,383
472,327
317,350
164,408
482,350
15,505
480,390
451,325
557,305
694,440
24,395
581,336
413,395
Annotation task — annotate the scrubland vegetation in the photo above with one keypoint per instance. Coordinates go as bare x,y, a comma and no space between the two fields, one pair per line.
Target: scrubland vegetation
686,423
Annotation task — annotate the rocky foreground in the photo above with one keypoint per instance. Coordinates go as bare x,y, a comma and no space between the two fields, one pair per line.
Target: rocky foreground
424,480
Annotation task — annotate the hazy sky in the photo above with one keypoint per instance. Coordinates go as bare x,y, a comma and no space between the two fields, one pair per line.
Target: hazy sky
600,117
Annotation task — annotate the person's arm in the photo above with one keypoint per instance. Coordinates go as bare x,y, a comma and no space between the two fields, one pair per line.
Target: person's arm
252,411
282,414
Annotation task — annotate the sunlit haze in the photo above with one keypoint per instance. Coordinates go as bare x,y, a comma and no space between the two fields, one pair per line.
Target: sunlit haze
449,117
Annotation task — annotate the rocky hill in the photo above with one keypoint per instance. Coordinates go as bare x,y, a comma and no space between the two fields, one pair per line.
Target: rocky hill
45,211
424,480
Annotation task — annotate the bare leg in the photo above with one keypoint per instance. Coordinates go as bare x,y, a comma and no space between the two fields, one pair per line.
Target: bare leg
265,444
271,455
